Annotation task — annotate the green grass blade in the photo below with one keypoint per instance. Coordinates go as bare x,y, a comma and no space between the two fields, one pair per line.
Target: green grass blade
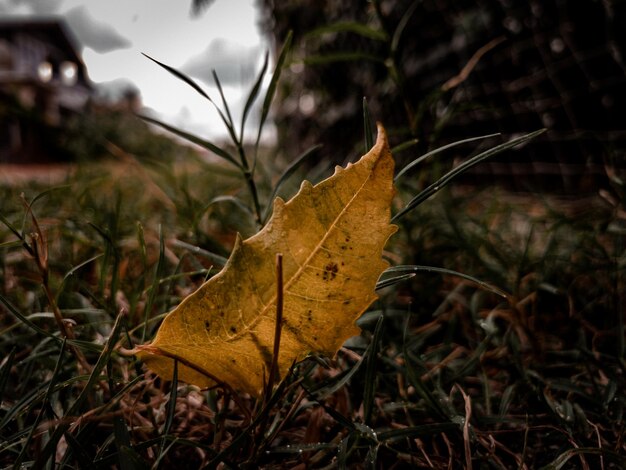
390,281
50,447
404,146
444,180
431,402
370,371
213,257
129,459
42,410
171,403
271,89
19,234
330,386
35,393
232,200
254,93
412,432
143,250
419,160
228,119
80,454
45,193
291,169
120,430
300,448
195,86
367,126
158,274
404,21
181,76
562,459
72,271
332,58
5,371
194,139
450,272
350,27
16,313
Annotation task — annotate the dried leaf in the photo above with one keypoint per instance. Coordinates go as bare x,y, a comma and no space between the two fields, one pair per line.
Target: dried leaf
331,236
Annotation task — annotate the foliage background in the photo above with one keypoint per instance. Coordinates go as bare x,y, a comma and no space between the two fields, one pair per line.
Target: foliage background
556,64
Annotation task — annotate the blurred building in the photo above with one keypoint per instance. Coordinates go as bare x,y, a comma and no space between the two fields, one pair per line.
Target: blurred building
42,81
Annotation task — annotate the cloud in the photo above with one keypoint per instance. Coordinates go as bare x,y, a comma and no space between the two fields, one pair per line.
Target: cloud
93,34
114,90
233,63
35,7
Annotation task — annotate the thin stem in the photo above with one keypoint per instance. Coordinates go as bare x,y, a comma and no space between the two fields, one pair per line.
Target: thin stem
249,177
273,373
65,331
39,251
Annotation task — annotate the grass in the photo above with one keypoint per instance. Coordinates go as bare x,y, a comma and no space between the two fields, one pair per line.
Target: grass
445,373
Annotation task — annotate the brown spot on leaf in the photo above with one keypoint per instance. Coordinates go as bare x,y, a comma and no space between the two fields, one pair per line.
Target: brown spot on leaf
330,271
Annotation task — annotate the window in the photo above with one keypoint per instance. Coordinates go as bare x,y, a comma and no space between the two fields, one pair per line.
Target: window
69,73
44,71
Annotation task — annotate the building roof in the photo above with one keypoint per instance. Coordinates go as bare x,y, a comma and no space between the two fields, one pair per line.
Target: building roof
52,27
48,29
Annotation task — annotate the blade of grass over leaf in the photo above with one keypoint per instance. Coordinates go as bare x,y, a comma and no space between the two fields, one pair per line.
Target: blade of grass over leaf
433,269
194,139
444,180
350,27
419,160
273,370
289,171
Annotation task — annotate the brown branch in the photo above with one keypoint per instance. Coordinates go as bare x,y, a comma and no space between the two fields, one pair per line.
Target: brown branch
467,69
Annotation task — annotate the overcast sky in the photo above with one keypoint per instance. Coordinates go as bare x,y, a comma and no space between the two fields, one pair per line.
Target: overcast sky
114,33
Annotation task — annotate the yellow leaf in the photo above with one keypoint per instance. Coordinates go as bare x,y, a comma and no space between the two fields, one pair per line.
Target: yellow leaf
331,236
